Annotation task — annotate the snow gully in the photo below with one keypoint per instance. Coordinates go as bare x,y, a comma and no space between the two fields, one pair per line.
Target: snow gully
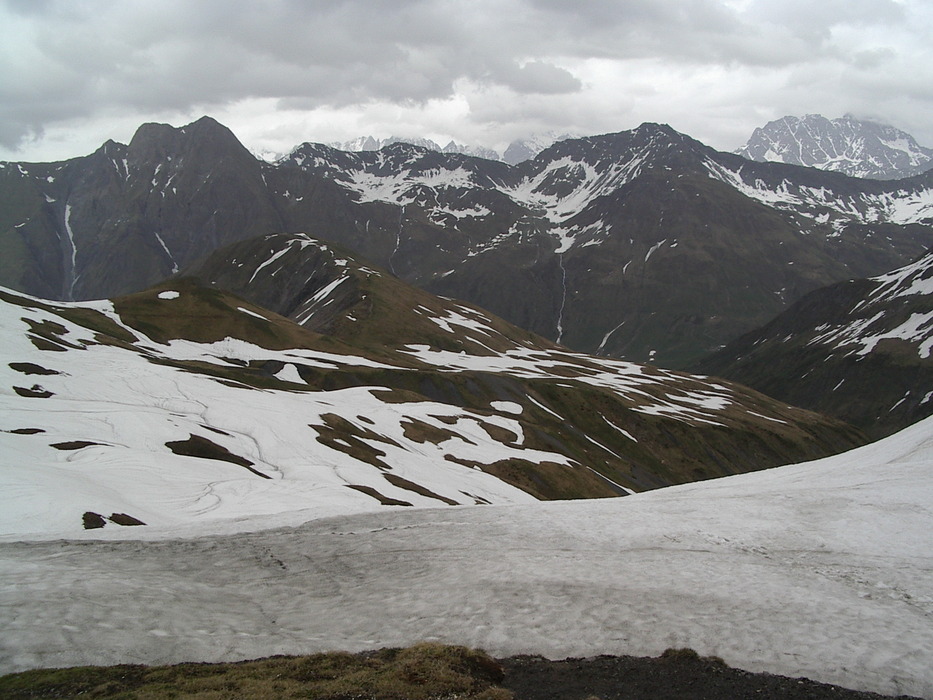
398,240
70,254
563,297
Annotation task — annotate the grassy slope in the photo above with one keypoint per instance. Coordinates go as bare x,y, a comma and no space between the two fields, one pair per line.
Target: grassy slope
879,392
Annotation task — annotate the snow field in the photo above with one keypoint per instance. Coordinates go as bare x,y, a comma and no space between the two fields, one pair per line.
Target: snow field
130,407
819,570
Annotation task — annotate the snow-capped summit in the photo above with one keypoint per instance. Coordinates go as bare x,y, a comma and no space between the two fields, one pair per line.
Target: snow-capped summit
848,145
471,150
369,143
516,152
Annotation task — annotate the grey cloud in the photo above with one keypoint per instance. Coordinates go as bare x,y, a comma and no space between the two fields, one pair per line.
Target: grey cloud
67,60
540,77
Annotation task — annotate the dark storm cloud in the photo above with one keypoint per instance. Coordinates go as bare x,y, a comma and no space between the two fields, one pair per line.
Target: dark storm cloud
63,61
71,59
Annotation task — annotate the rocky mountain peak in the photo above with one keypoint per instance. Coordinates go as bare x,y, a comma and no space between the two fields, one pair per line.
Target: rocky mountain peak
652,145
859,148
205,138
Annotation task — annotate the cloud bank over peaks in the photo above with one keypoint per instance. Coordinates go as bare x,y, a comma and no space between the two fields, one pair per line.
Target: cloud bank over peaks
280,72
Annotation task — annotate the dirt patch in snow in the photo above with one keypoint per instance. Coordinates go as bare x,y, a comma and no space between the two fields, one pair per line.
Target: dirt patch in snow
384,500
197,446
404,483
421,432
72,444
34,392
32,368
93,521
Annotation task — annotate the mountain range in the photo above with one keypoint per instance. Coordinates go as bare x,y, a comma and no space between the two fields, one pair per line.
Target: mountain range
858,148
368,143
644,245
516,152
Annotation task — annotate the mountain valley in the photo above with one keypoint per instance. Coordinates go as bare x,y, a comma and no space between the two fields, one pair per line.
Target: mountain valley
254,408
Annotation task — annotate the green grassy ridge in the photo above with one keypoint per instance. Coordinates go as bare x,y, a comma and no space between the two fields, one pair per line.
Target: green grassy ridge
370,309
425,671
381,314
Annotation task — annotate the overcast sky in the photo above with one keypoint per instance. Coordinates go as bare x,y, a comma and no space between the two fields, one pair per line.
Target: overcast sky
74,73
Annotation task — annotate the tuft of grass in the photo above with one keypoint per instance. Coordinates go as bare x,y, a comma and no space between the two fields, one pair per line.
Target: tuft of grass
425,671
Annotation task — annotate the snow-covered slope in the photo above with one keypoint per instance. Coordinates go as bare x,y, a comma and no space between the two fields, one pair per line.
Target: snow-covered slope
165,433
855,147
909,286
819,570
186,404
836,204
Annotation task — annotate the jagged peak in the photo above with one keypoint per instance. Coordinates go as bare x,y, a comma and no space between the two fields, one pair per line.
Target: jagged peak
859,147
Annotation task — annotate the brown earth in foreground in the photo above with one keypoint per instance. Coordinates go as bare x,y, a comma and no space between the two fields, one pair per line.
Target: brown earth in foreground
677,675
426,671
